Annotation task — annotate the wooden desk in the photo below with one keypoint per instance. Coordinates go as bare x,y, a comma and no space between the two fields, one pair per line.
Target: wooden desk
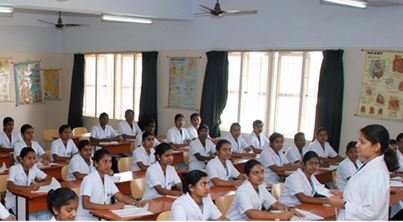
178,155
218,191
116,149
6,158
328,213
54,171
78,137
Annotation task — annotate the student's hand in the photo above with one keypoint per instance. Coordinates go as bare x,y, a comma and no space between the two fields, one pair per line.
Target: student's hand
34,186
248,149
336,202
45,162
117,206
336,193
139,203
295,213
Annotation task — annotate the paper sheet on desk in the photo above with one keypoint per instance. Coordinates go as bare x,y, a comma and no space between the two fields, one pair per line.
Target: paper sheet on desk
53,185
132,211
331,167
108,143
396,183
307,216
397,178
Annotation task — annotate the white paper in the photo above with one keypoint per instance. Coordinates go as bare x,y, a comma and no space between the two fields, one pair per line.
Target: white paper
397,178
331,167
132,211
53,185
170,196
394,183
115,179
325,192
307,216
109,143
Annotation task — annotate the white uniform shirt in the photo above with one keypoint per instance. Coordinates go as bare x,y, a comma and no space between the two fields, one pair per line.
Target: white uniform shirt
400,159
140,155
5,141
326,152
269,158
98,192
18,177
293,154
237,145
98,133
344,171
215,169
297,182
139,140
186,209
192,132
57,147
3,212
252,140
124,128
155,176
246,198
174,136
367,193
78,164
21,145
197,147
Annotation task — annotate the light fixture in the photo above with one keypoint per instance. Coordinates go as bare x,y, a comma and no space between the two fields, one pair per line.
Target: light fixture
351,3
126,18
6,9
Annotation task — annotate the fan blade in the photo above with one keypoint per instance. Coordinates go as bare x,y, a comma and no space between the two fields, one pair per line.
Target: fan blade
238,12
202,13
75,25
205,7
51,23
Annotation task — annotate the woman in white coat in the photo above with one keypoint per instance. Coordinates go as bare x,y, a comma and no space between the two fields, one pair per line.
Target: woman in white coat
143,156
81,164
366,195
201,150
195,204
348,166
62,204
27,132
239,146
8,137
178,136
64,148
323,148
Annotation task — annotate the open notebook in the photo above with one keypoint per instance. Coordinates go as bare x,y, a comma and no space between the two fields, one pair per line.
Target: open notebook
132,211
53,185
307,216
394,183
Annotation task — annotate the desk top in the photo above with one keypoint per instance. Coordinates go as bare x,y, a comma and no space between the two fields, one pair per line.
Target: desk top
328,213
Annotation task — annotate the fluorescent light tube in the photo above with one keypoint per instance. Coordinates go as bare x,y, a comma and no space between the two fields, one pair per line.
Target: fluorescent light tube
123,18
6,9
352,3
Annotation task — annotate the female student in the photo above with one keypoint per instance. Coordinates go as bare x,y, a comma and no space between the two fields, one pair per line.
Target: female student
63,148
26,176
323,148
8,137
348,166
150,127
27,132
161,176
195,121
81,164
398,149
195,204
303,187
98,188
296,151
239,147
177,136
220,170
252,200
129,128
143,156
274,160
62,204
366,195
201,150
103,132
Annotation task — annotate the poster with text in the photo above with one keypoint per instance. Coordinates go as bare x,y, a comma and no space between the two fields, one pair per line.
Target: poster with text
51,83
182,82
5,73
381,94
28,88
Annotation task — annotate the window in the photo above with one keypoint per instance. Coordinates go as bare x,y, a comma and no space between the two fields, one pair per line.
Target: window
112,84
280,88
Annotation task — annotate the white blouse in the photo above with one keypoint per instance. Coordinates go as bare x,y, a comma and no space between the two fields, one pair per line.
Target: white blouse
197,147
78,164
238,145
124,128
155,176
57,147
344,171
325,152
140,155
215,169
21,145
269,158
5,141
175,136
99,133
186,209
252,140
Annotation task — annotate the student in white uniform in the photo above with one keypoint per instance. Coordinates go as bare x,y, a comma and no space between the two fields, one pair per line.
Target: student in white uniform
348,166
129,128
26,176
143,156
27,132
220,170
239,147
201,150
62,204
98,188
178,136
274,160
5,215
195,121
256,140
252,200
195,204
8,137
295,152
150,127
366,195
323,148
64,148
161,176
103,132
398,149
81,164
303,187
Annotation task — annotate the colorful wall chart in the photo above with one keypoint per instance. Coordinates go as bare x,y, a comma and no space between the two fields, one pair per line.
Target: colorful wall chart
5,77
51,83
28,88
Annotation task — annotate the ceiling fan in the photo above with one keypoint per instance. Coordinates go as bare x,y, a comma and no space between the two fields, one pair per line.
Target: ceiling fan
218,12
59,24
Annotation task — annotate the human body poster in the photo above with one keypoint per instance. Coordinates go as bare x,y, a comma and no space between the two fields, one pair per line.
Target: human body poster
381,94
28,89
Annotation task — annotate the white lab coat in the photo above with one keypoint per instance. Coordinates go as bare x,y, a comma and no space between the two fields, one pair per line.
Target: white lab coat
78,164
252,140
296,183
238,145
155,176
326,152
175,136
344,171
98,192
192,132
5,141
269,158
185,209
139,140
124,128
400,159
57,147
293,154
35,145
197,147
367,193
247,198
99,133
140,155
3,212
215,169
